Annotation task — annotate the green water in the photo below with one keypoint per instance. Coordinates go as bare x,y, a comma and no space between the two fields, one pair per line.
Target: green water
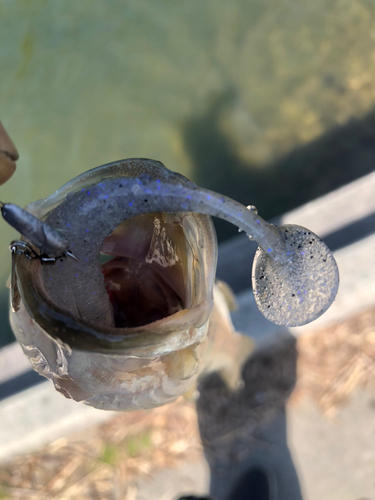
223,92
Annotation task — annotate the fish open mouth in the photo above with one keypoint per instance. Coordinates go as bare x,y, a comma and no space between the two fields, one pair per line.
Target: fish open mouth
124,326
144,263
145,273
148,268
137,264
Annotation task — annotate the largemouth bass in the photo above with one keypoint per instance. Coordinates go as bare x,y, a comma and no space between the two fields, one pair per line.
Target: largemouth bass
113,280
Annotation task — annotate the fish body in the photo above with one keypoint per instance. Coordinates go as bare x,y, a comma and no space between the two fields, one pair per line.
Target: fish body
120,318
131,332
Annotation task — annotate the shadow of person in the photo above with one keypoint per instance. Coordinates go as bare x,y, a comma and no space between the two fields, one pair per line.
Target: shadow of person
244,431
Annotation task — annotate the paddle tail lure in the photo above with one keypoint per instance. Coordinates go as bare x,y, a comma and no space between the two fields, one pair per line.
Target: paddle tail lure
112,281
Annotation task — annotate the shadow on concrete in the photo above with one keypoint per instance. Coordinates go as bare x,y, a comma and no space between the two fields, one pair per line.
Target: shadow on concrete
246,429
338,157
20,383
6,334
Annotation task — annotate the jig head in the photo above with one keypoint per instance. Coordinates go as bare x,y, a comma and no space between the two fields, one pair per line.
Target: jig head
51,243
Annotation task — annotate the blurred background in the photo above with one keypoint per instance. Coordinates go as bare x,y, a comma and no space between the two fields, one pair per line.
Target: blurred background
270,103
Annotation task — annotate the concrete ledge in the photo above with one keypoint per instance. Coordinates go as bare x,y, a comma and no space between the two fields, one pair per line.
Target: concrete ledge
337,209
40,415
12,362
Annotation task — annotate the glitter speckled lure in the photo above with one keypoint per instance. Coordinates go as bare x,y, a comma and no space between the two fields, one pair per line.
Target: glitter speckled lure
148,220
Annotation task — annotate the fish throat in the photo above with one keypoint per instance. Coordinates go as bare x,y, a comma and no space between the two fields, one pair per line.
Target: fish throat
144,264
